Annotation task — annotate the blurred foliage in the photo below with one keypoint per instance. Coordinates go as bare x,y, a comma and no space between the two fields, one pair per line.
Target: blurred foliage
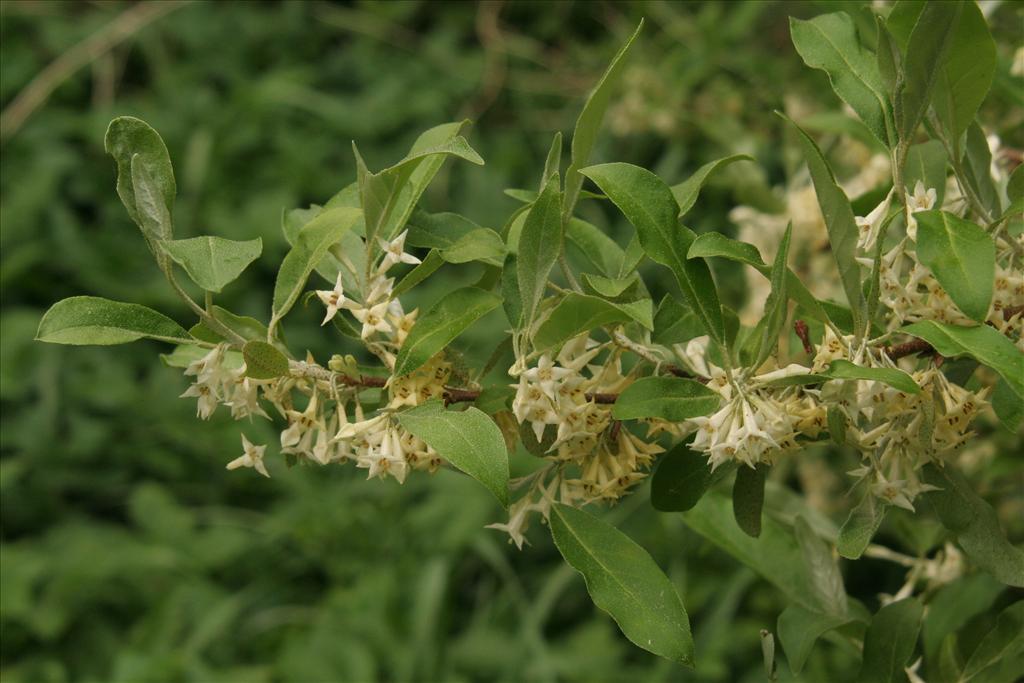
129,554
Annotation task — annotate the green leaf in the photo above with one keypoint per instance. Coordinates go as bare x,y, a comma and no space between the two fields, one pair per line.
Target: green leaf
967,73
588,124
839,220
775,554
608,287
263,360
467,439
624,581
776,307
926,162
310,246
926,53
889,57
388,197
648,204
427,267
686,192
553,163
674,324
512,302
213,262
711,244
829,42
1005,640
1008,406
844,369
83,320
889,642
897,379
600,250
128,137
457,239
539,246
748,498
954,605
445,321
153,214
962,256
978,162
975,524
799,629
574,314
668,398
982,343
861,526
826,581
1015,185
681,477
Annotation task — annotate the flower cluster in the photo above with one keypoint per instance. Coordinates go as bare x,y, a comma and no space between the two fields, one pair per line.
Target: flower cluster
332,426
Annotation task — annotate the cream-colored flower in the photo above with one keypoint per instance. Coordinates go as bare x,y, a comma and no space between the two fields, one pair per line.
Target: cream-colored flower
252,456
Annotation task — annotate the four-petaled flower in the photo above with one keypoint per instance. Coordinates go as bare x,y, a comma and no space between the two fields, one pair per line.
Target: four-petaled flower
394,252
333,299
252,456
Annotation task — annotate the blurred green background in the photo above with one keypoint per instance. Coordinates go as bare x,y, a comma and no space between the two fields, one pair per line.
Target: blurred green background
129,554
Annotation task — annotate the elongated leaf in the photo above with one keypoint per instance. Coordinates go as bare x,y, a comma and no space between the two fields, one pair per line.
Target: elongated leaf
829,42
427,267
539,246
686,192
389,196
680,478
445,321
775,554
967,73
263,360
553,163
897,379
1008,406
962,256
457,239
844,369
839,220
982,343
927,50
153,214
1006,639
213,262
648,204
889,642
955,604
600,250
748,498
799,629
975,524
624,581
127,137
859,528
668,398
675,324
311,244
822,568
588,124
889,56
776,307
83,320
978,163
716,244
573,315
467,439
